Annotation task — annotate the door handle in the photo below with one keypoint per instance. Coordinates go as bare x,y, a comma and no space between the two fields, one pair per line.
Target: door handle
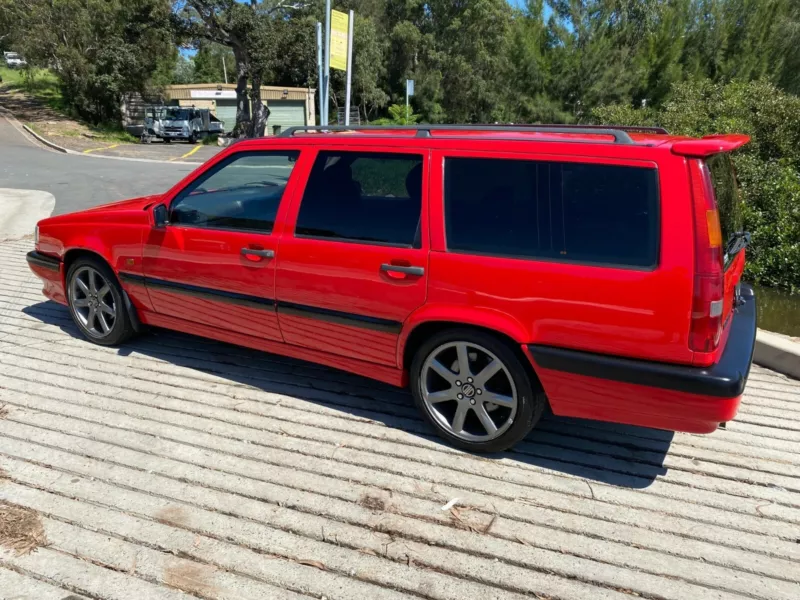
261,253
418,271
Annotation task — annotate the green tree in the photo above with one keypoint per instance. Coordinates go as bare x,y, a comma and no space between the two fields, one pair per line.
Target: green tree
768,167
212,62
99,49
399,115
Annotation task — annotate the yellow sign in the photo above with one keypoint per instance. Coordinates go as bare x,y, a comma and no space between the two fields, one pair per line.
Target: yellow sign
339,29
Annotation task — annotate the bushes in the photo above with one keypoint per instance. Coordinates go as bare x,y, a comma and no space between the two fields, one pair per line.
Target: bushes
768,167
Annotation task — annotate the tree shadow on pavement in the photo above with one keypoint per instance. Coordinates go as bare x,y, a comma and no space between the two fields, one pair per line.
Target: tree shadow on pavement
619,455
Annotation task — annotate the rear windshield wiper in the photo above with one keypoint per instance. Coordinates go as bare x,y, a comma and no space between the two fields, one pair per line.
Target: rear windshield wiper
737,242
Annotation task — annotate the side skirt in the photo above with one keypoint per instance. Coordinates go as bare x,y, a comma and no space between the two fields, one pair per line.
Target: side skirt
392,376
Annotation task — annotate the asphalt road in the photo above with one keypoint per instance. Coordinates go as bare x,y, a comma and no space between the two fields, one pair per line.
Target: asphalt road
78,182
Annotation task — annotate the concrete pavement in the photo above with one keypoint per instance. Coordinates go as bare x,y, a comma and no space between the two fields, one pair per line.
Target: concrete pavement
178,467
20,210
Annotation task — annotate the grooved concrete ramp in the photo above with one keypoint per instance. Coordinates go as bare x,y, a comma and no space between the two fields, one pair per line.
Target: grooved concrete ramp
176,467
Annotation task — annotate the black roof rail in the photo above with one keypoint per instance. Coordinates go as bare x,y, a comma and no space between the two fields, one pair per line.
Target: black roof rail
619,134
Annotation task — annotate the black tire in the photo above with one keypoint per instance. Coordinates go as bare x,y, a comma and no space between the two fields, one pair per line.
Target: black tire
167,140
531,400
193,138
122,328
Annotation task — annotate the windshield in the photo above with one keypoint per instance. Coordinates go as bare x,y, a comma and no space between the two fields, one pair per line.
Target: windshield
726,192
178,115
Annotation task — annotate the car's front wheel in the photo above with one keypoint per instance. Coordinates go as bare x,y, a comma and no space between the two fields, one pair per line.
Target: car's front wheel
475,391
96,302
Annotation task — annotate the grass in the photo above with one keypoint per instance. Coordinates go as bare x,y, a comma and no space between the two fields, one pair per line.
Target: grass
210,140
112,133
40,84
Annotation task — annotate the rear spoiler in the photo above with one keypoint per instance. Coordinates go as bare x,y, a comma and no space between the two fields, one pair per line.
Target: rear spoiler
709,145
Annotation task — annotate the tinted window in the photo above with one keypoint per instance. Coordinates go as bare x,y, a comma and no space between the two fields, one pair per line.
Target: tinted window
242,193
369,197
726,193
568,211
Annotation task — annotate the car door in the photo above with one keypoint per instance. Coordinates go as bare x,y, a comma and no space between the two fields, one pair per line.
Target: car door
353,268
214,263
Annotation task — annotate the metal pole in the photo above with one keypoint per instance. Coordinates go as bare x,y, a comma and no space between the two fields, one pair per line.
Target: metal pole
225,70
406,123
327,58
321,77
349,68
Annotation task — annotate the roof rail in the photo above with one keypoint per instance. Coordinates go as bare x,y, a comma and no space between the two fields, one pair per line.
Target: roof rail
630,128
619,134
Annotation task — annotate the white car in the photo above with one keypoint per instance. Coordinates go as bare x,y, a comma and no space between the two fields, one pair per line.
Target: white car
14,60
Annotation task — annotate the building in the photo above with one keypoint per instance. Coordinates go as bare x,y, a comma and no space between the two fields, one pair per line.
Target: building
288,106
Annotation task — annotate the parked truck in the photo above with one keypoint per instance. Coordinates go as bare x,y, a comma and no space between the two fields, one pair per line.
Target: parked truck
176,123
189,123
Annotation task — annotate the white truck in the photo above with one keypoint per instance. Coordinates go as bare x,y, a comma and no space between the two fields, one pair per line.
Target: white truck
189,123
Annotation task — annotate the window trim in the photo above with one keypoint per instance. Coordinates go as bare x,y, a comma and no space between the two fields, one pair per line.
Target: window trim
216,168
550,158
424,155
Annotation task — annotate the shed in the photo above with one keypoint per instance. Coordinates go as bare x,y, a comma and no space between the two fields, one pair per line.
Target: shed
288,106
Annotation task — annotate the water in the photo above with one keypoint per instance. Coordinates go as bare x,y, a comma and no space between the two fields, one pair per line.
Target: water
778,310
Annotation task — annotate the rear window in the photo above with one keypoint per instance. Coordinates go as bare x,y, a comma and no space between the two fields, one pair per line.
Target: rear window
726,193
588,213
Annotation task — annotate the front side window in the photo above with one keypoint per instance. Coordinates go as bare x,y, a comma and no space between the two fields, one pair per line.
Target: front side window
365,197
243,192
583,212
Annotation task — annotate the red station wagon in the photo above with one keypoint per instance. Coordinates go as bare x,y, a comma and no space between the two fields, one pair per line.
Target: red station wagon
496,270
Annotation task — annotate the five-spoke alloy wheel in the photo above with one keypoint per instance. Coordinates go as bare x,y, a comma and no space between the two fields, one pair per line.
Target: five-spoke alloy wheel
474,390
96,302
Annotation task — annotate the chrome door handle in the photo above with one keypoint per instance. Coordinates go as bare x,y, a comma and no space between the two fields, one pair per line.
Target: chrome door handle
261,253
419,271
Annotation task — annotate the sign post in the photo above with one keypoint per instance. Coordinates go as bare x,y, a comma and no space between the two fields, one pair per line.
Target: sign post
409,92
327,74
321,76
349,68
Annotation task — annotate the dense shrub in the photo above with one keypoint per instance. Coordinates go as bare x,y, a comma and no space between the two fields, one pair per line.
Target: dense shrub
768,167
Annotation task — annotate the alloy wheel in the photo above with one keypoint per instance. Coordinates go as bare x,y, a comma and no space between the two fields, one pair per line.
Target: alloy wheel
468,391
92,302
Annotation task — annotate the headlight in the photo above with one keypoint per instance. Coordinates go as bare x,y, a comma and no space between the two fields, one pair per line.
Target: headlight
36,236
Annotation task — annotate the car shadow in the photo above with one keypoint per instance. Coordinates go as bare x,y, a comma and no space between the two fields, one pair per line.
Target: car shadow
618,455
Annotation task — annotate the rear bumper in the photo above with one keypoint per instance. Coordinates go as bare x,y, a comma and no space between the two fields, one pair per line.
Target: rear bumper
665,396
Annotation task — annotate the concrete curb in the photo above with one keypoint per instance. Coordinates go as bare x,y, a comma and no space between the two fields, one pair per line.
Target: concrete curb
44,141
777,352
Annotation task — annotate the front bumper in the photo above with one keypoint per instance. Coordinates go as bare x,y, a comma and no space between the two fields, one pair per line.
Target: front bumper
652,394
49,270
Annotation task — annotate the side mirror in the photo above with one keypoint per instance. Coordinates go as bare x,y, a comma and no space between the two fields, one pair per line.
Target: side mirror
160,216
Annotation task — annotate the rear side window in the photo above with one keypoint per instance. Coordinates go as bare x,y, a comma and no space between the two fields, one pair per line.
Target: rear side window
363,197
603,214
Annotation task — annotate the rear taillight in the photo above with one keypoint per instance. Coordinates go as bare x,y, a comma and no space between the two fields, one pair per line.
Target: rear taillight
709,283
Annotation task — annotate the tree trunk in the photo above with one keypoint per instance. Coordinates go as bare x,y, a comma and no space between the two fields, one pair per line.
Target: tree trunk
258,125
242,102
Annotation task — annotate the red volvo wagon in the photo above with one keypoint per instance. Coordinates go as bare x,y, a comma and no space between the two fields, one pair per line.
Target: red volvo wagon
496,270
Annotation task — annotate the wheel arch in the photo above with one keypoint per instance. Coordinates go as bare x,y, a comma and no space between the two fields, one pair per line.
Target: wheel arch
73,254
429,321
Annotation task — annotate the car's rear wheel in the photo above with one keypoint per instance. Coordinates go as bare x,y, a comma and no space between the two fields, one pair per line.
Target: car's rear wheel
475,391
96,302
